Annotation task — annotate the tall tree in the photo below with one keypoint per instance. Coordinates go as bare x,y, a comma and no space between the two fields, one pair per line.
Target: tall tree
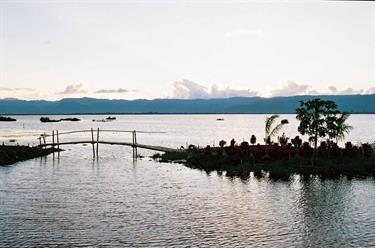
318,118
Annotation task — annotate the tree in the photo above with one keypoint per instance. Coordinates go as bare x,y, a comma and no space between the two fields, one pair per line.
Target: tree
318,118
269,131
222,143
341,127
253,139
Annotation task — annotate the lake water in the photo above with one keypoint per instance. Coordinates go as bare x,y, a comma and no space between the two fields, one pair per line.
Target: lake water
115,201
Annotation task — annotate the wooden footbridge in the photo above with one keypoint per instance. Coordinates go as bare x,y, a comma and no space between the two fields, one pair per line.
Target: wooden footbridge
95,141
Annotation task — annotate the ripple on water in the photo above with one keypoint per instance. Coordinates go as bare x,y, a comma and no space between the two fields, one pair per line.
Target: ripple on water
115,202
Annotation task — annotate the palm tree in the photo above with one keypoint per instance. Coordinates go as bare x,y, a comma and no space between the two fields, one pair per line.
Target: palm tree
342,128
272,131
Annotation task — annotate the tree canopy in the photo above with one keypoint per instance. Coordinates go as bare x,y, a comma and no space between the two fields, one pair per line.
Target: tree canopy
321,118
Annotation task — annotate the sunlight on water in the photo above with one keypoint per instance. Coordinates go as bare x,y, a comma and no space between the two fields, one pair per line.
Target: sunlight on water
115,201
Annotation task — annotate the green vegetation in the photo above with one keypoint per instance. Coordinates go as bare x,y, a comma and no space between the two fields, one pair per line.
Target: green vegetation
280,161
318,119
271,131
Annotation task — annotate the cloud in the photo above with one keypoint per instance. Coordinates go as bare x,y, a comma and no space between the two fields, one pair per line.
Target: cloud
73,89
332,89
186,89
230,92
15,89
242,32
371,90
110,91
292,89
347,91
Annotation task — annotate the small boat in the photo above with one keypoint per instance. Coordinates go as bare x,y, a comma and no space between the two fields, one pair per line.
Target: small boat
219,119
109,118
106,119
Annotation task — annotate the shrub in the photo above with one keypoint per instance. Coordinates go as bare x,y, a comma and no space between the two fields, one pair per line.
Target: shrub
253,139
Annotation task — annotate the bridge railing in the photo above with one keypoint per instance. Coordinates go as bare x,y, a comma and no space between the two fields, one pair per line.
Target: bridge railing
55,140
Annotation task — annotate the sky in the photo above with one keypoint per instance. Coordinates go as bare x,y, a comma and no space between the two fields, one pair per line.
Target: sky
185,49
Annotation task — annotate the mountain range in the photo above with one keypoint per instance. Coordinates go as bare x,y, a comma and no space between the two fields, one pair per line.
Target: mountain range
236,105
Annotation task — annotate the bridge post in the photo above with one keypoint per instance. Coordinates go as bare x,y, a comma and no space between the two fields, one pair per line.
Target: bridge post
44,140
53,143
135,142
92,142
58,143
97,143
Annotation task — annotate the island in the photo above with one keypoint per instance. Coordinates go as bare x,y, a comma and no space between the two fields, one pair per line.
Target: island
47,119
3,118
319,119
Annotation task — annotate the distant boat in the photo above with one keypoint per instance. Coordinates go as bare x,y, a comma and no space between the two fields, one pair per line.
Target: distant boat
219,119
109,118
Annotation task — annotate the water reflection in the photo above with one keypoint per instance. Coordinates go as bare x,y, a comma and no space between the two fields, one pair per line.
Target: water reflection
116,201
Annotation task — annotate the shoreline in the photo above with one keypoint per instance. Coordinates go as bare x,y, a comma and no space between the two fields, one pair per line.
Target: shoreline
170,113
12,154
277,162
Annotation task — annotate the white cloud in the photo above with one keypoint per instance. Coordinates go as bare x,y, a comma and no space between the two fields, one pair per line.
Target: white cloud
242,32
109,91
216,92
371,90
73,89
292,89
15,89
348,91
186,89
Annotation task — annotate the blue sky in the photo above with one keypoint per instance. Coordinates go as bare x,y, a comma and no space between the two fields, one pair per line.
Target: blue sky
185,49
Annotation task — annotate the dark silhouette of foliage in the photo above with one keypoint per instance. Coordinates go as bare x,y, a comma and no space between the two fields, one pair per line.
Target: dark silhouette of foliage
283,140
253,139
320,118
284,121
367,150
244,144
222,143
341,127
297,142
272,131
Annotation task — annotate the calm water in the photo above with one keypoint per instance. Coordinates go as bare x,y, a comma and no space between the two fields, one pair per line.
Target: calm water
115,201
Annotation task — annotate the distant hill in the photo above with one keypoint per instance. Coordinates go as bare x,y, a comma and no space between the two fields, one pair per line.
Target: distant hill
350,103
